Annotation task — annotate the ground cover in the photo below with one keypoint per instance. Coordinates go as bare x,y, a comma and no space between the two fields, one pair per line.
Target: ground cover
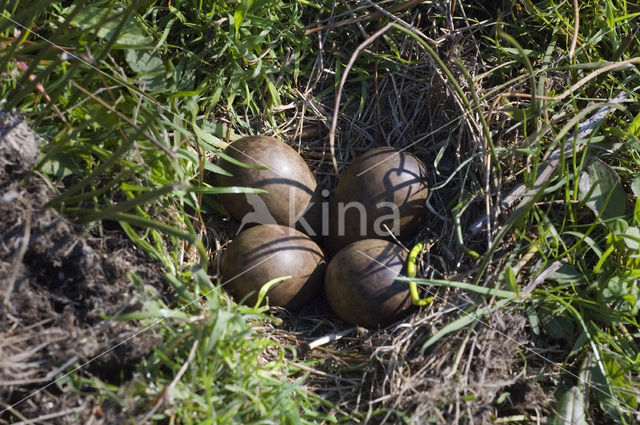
525,112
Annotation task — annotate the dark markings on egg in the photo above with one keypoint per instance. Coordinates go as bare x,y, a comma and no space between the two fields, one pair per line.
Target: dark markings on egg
362,201
289,182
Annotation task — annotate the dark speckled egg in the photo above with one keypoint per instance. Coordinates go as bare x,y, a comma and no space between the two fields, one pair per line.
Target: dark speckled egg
361,286
383,187
265,252
288,181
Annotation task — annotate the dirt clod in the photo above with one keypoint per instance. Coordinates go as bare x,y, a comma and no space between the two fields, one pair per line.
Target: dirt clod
57,282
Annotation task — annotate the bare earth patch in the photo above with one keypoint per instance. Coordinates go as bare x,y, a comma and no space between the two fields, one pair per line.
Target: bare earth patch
57,284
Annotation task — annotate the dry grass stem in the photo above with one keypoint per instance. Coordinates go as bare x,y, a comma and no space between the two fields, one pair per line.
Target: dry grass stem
576,29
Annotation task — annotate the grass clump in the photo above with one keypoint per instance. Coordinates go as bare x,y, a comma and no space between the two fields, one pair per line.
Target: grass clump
214,368
577,229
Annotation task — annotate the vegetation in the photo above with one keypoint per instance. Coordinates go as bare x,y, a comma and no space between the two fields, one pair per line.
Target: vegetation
134,99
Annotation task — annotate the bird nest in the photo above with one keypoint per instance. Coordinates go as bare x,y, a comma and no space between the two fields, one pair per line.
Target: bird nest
477,372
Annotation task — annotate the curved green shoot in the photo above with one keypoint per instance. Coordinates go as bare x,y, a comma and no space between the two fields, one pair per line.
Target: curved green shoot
411,273
266,287
458,233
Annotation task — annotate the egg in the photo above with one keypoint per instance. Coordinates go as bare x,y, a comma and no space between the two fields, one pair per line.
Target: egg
361,286
265,252
383,187
288,181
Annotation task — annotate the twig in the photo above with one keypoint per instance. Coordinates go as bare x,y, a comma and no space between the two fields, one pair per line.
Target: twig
542,276
576,26
401,22
370,16
330,338
343,79
320,373
166,393
21,252
49,416
49,376
525,258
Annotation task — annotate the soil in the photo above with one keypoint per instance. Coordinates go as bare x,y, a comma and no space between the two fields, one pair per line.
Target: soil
59,284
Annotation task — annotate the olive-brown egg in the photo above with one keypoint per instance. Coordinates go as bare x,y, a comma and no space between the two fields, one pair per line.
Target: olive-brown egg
361,286
288,181
265,252
383,187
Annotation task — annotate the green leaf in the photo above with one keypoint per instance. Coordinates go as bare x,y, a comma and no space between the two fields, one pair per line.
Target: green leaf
265,288
557,324
489,292
503,397
570,410
600,189
97,19
275,97
634,127
225,190
219,130
62,165
566,275
144,61
581,340
510,277
632,238
241,12
534,322
149,67
209,139
207,164
615,288
217,332
635,186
